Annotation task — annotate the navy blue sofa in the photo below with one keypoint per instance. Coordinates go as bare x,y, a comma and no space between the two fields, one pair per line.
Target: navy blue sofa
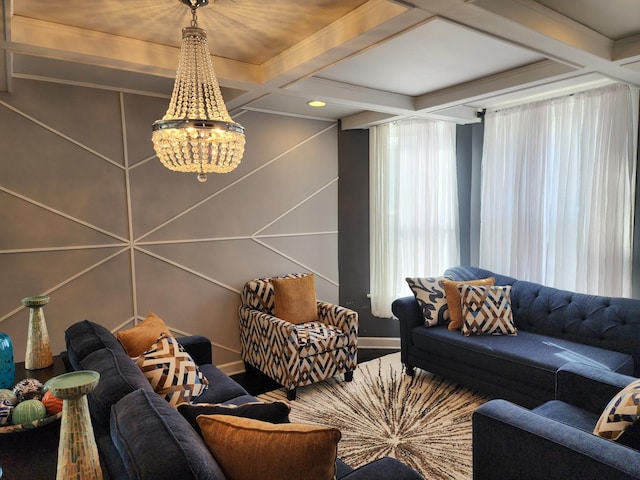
555,327
140,436
554,441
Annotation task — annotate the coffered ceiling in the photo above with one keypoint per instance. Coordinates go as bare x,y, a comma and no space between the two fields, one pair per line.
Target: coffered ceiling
372,61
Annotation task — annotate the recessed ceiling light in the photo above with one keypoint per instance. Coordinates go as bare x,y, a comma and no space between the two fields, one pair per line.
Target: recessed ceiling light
316,103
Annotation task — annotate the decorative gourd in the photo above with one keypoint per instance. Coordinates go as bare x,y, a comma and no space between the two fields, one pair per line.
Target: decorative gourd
28,411
5,411
6,394
27,389
52,404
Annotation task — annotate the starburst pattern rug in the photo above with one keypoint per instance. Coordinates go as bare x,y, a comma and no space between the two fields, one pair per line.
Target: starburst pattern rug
424,421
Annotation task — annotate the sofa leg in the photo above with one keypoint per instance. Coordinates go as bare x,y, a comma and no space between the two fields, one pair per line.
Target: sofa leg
291,394
411,371
348,376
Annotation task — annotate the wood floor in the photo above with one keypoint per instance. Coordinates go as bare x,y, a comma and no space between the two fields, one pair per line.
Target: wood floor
257,383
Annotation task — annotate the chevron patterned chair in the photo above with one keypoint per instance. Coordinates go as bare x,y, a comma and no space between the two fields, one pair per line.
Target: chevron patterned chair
292,354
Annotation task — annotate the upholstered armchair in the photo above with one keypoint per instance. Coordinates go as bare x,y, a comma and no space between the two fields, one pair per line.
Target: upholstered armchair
296,354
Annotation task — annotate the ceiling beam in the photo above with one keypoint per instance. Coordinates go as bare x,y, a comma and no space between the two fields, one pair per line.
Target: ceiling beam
550,24
377,21
51,40
545,71
336,39
352,95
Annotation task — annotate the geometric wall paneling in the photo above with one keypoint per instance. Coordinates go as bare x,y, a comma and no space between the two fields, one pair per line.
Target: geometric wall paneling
314,252
139,113
34,273
95,221
229,262
35,227
189,303
172,193
267,139
314,214
222,260
259,197
101,294
79,183
66,108
158,195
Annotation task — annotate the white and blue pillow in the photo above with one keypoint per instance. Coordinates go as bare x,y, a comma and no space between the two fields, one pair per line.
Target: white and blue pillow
429,293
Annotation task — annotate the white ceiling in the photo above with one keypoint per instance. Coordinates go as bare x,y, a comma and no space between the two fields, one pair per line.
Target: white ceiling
372,61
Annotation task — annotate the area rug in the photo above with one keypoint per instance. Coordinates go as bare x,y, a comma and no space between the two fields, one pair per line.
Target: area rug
424,420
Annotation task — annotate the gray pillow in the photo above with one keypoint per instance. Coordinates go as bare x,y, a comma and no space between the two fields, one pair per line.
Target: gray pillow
119,375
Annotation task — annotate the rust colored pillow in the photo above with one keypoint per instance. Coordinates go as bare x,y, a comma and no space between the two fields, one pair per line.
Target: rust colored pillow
248,449
454,302
295,299
140,338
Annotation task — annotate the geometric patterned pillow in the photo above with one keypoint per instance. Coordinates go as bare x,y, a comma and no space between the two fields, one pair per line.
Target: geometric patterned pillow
172,372
486,310
622,411
431,298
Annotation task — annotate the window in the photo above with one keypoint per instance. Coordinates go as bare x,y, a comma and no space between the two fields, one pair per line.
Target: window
413,208
558,190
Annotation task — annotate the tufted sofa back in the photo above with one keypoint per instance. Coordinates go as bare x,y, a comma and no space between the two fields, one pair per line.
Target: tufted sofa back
607,322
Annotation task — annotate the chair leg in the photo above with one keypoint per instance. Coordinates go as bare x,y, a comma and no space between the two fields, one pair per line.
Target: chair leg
348,376
291,394
410,370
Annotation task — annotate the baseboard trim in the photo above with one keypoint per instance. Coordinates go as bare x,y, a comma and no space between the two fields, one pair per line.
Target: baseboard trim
382,343
379,342
232,368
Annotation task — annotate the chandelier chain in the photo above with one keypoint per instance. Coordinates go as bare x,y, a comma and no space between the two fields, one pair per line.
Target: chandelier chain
194,16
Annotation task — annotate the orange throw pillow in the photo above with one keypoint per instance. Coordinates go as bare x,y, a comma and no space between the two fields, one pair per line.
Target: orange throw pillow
454,301
140,338
295,299
248,449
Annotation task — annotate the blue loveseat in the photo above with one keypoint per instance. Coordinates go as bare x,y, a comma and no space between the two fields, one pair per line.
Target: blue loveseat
140,436
555,327
554,441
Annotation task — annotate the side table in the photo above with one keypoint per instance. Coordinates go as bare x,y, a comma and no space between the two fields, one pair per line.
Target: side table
32,454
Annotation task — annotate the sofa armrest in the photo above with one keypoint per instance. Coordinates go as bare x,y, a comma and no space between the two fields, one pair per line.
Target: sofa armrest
341,317
407,310
590,388
199,347
510,441
383,469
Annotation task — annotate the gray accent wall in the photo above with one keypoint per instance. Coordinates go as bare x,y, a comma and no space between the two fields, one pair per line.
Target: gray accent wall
353,223
89,216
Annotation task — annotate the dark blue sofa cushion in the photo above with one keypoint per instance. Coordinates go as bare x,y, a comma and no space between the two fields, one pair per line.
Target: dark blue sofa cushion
85,337
605,322
119,376
221,388
568,414
155,441
384,468
527,358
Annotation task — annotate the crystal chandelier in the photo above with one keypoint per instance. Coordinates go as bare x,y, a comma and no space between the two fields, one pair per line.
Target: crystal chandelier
197,133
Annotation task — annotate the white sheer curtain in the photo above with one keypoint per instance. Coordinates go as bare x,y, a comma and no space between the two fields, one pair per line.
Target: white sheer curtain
413,207
558,191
